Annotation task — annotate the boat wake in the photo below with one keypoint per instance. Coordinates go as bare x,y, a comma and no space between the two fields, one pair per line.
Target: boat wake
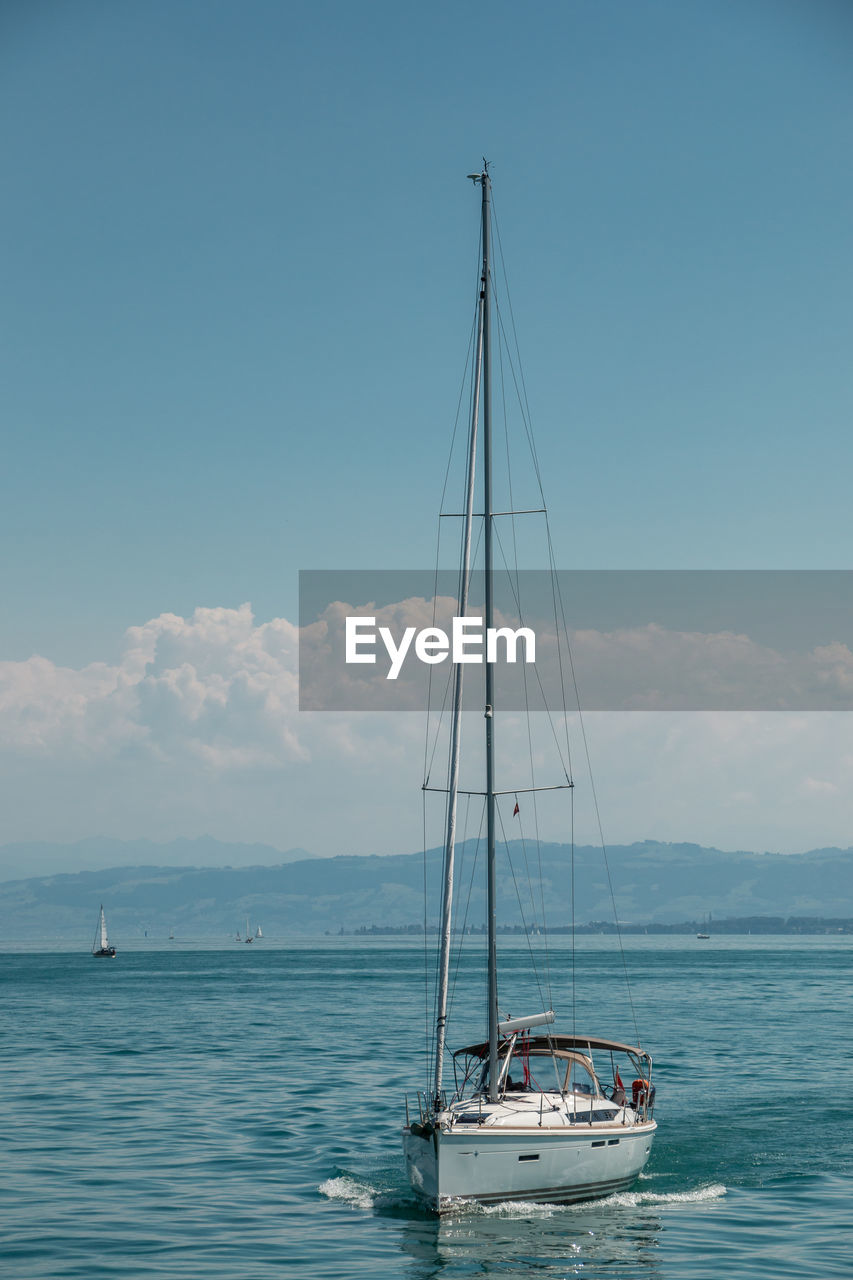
360,1194
622,1199
697,1196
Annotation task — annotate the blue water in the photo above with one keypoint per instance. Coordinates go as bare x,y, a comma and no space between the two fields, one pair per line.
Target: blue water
222,1114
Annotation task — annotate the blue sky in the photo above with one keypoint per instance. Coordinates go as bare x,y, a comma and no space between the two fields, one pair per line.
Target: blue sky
237,288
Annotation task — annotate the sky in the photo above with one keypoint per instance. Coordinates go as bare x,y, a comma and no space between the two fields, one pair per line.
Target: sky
236,298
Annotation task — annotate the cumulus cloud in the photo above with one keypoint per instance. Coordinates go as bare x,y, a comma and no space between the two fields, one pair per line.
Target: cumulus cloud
197,729
216,686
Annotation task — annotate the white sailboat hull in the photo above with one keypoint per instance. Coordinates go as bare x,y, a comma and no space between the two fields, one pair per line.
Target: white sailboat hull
488,1166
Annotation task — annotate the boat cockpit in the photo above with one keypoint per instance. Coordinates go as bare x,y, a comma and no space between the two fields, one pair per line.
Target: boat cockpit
561,1065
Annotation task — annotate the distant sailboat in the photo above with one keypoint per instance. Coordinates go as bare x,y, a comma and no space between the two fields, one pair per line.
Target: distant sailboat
249,937
101,945
259,932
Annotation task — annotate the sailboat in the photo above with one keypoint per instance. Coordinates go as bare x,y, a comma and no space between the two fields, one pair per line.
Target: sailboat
249,937
259,933
530,1116
101,945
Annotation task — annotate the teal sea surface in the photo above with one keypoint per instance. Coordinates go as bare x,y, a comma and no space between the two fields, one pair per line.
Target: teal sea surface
231,1112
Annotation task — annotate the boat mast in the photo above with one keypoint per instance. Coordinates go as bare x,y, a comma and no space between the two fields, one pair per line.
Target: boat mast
456,725
486,183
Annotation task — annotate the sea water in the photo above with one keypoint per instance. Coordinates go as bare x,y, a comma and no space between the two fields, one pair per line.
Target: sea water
230,1112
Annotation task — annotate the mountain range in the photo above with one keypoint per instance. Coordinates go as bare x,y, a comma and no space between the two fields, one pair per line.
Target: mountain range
652,882
103,853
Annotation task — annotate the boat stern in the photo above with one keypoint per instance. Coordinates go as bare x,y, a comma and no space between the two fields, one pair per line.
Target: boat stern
420,1148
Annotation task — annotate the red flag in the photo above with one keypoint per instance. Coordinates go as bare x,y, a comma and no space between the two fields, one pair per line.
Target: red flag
619,1084
515,810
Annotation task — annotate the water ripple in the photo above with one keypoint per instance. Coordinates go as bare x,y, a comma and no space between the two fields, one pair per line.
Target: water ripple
177,1116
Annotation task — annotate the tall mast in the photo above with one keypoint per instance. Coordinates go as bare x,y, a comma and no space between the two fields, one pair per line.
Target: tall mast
456,725
486,182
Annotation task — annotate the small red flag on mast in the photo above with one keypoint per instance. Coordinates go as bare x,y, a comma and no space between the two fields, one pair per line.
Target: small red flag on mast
515,810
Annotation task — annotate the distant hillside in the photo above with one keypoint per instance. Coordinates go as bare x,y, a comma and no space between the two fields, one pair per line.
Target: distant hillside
664,883
102,852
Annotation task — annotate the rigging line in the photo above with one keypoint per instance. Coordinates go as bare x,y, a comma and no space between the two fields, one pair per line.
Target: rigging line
468,365
440,716
566,767
517,591
447,802
541,888
477,848
461,858
529,878
454,737
429,760
542,912
598,821
427,763
447,806
555,588
466,378
513,574
427,1036
460,943
531,441
533,963
574,989
447,684
528,429
448,680
565,763
522,407
527,421
538,839
526,418
506,445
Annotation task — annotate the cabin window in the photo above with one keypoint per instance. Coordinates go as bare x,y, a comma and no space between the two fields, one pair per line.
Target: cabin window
537,1071
593,1117
579,1079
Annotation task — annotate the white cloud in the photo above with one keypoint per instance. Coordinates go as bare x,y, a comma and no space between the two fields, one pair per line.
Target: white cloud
215,686
819,787
197,729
